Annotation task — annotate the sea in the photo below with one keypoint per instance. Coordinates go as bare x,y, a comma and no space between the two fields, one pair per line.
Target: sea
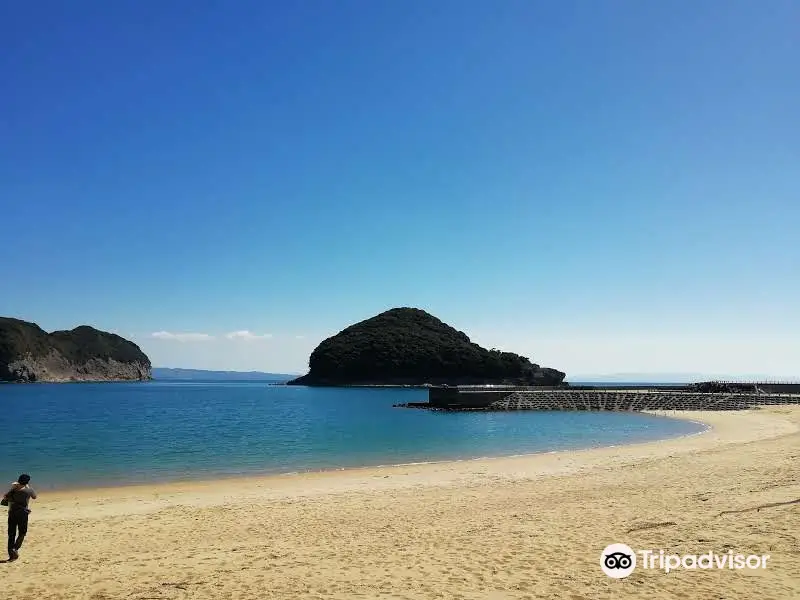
108,434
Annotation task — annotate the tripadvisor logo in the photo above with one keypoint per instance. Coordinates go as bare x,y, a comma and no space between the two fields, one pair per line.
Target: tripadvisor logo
619,560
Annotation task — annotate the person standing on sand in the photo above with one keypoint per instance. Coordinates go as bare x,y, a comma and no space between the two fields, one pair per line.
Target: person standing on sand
17,499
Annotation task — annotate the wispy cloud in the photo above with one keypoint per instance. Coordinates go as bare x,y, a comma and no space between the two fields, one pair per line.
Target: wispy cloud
299,337
182,337
247,335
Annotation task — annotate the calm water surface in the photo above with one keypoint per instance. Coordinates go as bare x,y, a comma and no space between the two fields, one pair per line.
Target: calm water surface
69,435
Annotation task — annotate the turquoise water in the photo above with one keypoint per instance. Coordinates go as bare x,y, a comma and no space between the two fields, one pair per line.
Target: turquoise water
75,435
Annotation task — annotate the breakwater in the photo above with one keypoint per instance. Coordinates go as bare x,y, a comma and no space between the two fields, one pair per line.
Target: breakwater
452,398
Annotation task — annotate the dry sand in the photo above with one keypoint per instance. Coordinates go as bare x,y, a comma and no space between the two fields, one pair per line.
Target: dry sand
521,527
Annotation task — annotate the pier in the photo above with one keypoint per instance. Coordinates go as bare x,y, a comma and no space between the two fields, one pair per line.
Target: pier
618,398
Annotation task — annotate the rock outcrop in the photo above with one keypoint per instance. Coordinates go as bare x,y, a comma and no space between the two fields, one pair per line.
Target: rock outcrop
408,346
28,354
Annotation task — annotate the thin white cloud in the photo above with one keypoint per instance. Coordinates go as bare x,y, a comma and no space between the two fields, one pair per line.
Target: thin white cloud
181,337
299,337
247,335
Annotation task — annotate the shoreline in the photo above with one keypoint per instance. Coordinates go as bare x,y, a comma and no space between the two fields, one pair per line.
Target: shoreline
233,478
721,429
506,528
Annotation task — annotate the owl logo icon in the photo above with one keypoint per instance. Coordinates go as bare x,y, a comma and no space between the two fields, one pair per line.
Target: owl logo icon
618,561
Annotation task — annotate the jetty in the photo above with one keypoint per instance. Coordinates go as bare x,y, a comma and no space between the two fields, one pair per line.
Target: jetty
721,396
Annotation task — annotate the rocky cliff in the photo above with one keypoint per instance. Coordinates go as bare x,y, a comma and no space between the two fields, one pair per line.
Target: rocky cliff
408,346
28,353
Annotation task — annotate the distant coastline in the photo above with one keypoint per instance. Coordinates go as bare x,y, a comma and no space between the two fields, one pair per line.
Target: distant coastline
673,378
165,373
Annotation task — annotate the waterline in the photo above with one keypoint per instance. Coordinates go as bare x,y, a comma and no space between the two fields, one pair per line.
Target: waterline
130,434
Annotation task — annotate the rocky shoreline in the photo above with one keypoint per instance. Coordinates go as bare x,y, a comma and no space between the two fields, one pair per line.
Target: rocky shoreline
29,354
54,368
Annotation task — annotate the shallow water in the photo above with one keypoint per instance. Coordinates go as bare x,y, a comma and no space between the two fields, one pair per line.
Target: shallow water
121,433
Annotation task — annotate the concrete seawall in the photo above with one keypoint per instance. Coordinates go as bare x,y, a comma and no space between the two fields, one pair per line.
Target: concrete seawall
618,400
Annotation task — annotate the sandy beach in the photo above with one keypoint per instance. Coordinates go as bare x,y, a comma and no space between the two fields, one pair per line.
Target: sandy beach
495,529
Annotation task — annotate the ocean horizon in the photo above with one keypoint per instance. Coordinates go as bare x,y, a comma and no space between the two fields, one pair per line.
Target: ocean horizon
95,435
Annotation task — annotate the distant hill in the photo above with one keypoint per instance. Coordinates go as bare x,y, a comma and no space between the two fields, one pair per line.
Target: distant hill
166,373
29,354
408,346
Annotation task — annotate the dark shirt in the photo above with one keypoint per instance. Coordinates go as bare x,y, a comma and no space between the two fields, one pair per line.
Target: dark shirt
20,498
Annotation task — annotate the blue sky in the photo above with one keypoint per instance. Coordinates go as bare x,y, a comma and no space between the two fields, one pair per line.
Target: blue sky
602,186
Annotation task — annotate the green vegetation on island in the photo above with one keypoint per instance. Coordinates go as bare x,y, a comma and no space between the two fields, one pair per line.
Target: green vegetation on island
408,346
28,353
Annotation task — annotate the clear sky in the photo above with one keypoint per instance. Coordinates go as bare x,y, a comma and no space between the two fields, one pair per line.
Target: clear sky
601,186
